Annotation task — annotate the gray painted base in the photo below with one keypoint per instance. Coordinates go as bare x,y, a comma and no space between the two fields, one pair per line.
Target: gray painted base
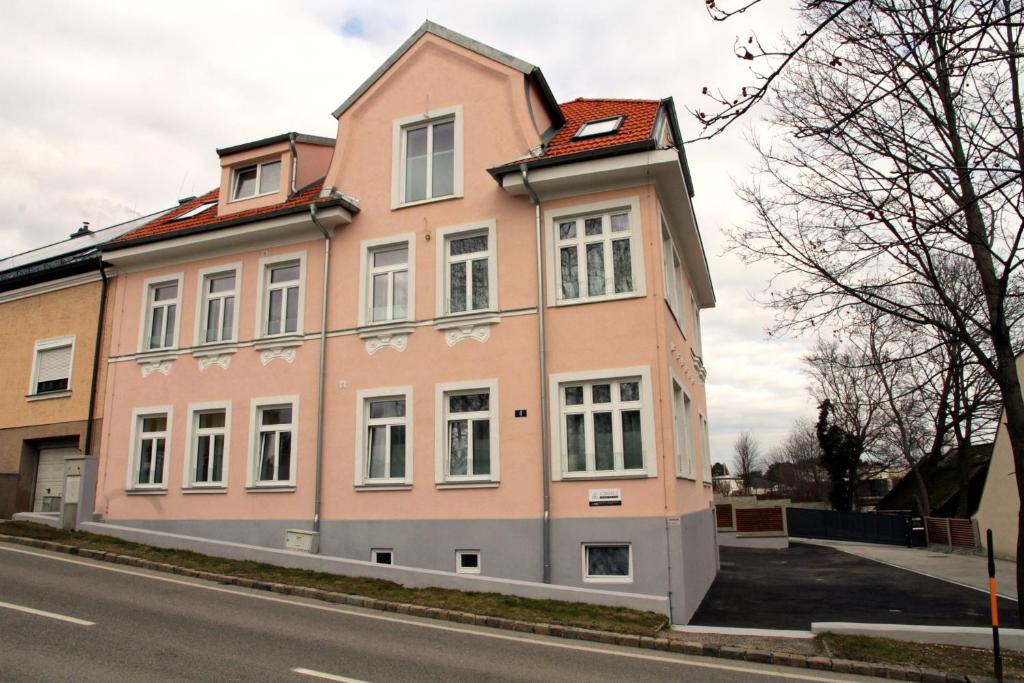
680,552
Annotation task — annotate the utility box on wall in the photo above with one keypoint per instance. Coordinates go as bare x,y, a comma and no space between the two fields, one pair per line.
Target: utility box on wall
300,539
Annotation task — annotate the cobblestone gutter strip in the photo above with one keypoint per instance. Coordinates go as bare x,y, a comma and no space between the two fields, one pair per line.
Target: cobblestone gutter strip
890,671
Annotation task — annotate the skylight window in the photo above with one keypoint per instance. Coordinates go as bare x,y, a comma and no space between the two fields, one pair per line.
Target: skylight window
599,127
194,211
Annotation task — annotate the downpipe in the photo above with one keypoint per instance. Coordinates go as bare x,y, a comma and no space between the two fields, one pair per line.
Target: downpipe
321,379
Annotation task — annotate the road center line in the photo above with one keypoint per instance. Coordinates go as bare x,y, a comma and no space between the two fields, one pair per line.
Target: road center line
325,676
681,660
44,613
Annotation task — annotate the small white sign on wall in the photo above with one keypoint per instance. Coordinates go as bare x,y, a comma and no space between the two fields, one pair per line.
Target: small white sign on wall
601,497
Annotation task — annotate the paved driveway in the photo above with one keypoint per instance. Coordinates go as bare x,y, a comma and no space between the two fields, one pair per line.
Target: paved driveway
789,589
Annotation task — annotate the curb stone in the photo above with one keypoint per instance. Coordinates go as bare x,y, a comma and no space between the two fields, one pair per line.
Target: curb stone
890,671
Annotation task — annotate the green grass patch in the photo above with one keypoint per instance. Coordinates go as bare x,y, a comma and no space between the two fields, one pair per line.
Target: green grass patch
963,660
616,619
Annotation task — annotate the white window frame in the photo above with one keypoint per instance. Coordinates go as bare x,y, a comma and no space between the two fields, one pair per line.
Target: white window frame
148,285
255,410
581,133
588,578
363,398
559,466
135,443
259,175
374,553
366,249
262,316
552,217
201,301
194,410
682,430
441,392
46,345
442,279
672,273
459,569
705,439
698,342
399,126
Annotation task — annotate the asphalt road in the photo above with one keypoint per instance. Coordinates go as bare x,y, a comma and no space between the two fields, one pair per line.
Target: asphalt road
790,589
134,625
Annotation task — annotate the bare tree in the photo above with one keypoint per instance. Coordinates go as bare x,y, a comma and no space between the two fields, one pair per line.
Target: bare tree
903,158
747,459
795,464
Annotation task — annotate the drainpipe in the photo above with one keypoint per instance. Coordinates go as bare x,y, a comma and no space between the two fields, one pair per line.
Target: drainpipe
323,370
295,167
87,446
545,454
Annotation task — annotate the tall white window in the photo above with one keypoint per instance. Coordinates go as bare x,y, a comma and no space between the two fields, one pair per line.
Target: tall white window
282,282
602,426
386,423
428,160
695,317
208,450
219,293
274,442
256,180
51,370
388,284
467,275
150,451
672,271
594,256
681,431
161,315
705,448
468,435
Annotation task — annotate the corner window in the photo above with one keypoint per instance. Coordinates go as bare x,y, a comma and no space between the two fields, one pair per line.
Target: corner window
705,448
256,180
217,306
681,431
150,437
605,126
672,272
273,450
383,437
282,280
467,561
382,556
208,447
427,163
695,322
389,283
162,299
607,563
51,369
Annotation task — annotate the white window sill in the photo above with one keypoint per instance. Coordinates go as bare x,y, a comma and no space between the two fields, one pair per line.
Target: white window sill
588,476
687,477
156,355
48,395
383,486
204,489
271,488
468,484
214,349
598,299
467,319
146,492
603,579
385,328
421,202
279,341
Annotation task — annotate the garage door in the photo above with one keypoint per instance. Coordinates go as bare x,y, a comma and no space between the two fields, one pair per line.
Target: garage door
50,478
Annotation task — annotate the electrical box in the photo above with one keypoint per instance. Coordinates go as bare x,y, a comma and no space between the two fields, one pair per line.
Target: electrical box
302,540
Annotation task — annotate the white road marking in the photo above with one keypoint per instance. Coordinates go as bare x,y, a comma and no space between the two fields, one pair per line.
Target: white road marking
682,660
49,615
325,676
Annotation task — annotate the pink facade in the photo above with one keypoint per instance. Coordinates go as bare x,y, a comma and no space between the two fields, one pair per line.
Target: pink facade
432,415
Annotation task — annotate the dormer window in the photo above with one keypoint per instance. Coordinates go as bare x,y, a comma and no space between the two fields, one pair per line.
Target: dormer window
257,180
597,127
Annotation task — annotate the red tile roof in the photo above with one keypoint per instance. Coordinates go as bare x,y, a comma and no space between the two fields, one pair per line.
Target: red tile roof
167,225
637,125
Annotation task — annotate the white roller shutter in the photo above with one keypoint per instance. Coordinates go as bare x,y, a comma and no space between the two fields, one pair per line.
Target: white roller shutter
53,364
50,478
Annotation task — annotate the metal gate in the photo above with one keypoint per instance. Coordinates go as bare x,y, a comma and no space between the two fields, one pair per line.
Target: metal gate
867,527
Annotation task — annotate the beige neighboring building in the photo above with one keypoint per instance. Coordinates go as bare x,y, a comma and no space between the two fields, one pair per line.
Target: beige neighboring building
1000,502
51,378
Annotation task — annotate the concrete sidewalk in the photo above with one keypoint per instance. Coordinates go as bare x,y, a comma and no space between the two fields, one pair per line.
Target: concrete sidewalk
965,570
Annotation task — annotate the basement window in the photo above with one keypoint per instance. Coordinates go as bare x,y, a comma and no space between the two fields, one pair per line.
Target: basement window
382,556
605,126
467,561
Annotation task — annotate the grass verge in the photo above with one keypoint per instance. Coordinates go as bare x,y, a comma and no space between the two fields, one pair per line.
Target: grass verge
615,619
964,660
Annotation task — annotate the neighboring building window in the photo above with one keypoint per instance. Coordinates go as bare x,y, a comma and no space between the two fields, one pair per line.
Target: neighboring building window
467,561
672,270
258,179
51,371
706,448
219,292
383,437
150,446
607,562
681,431
282,297
468,435
467,279
162,314
695,313
389,283
208,448
597,127
428,160
382,556
274,442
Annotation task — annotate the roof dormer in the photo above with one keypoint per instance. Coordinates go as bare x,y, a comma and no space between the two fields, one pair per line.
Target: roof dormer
266,172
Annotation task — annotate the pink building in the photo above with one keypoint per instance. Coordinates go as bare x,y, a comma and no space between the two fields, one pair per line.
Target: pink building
463,336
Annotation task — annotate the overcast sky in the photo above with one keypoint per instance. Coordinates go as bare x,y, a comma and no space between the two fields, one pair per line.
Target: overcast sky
110,110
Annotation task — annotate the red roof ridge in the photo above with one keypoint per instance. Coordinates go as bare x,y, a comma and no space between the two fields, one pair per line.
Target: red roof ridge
608,99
